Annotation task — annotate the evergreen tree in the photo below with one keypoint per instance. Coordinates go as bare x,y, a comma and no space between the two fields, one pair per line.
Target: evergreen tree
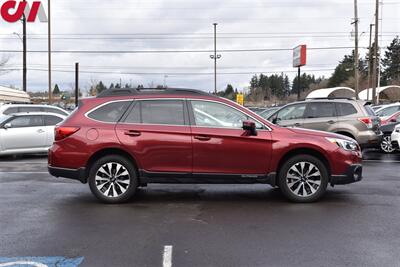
56,90
391,62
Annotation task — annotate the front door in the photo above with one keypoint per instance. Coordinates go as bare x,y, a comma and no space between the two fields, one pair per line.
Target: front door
221,146
290,116
157,132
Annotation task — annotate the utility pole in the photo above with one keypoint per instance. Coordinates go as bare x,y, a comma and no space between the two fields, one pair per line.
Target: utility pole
375,62
298,83
369,60
215,57
356,67
76,84
24,70
49,48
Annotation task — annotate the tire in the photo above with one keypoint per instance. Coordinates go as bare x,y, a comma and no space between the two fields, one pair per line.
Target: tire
305,188
113,179
386,144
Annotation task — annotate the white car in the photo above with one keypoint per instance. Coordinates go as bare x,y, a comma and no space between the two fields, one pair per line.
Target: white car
8,109
27,133
396,137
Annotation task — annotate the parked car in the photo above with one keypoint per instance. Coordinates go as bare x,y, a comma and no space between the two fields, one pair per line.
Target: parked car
387,129
391,119
396,137
268,112
257,110
347,117
7,109
388,110
128,138
26,133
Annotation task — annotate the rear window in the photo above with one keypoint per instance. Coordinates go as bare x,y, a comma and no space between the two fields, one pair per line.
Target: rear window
345,109
30,109
11,111
111,112
369,110
55,110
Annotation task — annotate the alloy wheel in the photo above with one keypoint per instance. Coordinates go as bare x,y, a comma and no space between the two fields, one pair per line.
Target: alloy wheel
303,179
386,144
112,179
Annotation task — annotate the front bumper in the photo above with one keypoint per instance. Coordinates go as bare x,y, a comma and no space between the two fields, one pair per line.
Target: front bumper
353,174
75,174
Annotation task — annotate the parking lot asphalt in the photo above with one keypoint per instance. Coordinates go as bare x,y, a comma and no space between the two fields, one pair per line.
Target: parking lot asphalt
204,225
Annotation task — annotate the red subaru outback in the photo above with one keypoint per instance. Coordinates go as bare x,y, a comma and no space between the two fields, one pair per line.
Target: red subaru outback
127,138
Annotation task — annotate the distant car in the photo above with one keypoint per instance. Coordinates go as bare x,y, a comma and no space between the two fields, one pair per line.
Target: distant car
387,129
396,137
388,110
347,117
390,119
268,112
8,109
256,110
27,133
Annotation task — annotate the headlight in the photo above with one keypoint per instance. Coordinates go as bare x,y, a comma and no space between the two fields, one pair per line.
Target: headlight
345,144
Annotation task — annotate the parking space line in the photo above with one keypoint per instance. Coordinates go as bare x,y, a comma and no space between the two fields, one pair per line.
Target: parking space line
167,256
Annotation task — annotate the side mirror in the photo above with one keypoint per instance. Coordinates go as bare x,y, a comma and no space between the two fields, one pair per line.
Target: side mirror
7,126
250,127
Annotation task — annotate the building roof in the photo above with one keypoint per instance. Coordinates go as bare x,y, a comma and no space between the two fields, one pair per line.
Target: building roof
8,95
391,92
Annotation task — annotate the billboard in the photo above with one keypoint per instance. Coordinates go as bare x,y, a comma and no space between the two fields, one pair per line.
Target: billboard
300,56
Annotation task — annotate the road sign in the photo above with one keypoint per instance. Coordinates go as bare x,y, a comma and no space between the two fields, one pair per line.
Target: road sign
240,99
300,56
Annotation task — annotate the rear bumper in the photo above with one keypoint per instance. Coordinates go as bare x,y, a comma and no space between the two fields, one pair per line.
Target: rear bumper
353,174
74,174
370,139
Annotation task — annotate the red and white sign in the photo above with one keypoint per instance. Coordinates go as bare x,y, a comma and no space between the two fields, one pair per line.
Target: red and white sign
300,56
12,11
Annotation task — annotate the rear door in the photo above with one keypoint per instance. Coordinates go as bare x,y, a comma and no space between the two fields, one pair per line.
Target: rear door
321,116
157,133
26,132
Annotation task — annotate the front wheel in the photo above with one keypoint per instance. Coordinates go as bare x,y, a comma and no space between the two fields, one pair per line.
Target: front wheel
386,144
113,179
303,178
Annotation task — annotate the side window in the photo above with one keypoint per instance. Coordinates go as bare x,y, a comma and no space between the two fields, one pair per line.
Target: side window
26,121
134,114
168,112
211,114
111,112
55,110
292,112
345,109
29,109
51,120
11,111
320,110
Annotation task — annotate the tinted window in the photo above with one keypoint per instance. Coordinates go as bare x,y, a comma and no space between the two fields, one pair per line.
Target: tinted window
111,112
55,110
134,114
52,120
11,111
369,110
162,112
344,109
30,109
292,112
320,110
26,121
211,114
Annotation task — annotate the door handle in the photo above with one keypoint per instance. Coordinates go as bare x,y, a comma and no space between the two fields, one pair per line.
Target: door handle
202,137
40,131
133,133
297,125
331,122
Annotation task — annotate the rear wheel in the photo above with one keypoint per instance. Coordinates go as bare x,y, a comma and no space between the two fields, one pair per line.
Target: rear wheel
113,179
303,178
386,144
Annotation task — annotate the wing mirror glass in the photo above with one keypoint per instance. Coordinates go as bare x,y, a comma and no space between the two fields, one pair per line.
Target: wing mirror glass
250,127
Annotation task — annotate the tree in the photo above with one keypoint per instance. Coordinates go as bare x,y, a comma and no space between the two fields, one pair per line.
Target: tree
391,62
305,83
56,90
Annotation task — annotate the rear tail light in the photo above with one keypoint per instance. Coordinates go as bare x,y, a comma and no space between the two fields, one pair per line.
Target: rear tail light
367,121
63,132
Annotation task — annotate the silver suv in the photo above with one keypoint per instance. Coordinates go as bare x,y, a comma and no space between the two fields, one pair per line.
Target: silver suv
352,118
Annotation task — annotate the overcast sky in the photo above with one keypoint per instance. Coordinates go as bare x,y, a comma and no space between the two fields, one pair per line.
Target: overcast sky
137,25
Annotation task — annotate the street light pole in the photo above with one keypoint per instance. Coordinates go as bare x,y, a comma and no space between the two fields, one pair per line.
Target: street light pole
215,57
49,48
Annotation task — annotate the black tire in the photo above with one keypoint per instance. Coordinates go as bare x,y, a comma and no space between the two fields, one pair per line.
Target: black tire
307,189
122,185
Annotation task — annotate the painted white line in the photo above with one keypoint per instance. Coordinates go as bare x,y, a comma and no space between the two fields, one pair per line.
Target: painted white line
167,256
19,263
384,161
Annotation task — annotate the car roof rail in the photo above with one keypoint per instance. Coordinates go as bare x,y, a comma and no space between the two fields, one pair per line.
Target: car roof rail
149,91
332,98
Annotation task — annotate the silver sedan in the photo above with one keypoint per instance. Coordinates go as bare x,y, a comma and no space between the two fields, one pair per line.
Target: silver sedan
27,133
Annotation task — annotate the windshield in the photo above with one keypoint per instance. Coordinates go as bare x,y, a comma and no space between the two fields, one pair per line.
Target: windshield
3,118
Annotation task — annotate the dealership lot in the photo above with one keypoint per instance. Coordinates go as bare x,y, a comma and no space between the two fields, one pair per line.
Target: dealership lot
201,225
